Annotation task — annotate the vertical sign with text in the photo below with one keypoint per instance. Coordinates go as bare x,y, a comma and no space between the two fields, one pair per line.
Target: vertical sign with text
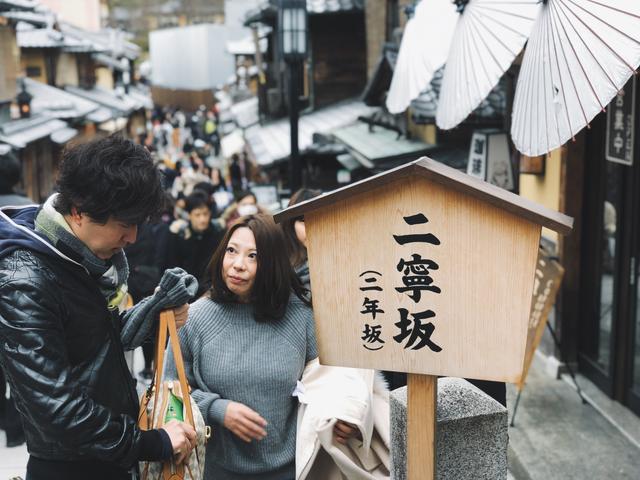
621,124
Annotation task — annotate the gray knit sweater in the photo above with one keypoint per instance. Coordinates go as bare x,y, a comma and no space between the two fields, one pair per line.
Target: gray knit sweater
231,357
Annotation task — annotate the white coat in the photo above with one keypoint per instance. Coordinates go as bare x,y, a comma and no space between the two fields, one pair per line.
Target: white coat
356,396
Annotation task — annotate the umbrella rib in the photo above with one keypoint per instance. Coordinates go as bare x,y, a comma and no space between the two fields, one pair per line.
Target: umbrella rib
523,93
586,76
613,83
507,13
624,34
541,53
484,68
614,8
478,32
600,38
564,54
532,2
506,47
503,25
564,97
467,58
530,94
545,45
548,37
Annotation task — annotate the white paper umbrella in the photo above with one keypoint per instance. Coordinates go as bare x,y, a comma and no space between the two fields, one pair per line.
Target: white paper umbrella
579,55
488,37
424,47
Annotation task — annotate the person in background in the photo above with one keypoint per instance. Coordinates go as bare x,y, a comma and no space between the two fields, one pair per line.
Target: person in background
192,242
10,177
245,203
295,236
235,172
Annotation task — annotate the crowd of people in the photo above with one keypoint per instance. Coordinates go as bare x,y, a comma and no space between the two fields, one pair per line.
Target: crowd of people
239,287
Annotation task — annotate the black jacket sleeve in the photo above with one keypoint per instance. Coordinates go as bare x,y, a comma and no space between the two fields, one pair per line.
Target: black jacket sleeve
34,354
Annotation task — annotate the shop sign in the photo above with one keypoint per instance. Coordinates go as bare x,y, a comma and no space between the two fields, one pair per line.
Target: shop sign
621,125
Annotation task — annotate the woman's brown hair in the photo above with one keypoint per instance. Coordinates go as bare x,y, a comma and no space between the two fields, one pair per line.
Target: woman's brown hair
295,250
275,278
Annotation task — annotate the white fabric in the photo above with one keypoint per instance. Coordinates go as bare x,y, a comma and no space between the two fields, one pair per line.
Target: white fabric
423,50
356,396
579,55
488,37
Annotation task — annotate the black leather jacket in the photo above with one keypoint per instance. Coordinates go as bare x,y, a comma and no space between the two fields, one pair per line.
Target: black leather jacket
60,348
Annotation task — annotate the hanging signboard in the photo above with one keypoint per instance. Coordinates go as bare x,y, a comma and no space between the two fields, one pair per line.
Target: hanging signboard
425,270
489,158
621,125
545,287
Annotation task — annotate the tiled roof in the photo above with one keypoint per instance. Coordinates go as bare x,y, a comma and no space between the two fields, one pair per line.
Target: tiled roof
34,18
24,5
121,104
57,103
270,143
20,133
29,37
424,108
267,12
330,6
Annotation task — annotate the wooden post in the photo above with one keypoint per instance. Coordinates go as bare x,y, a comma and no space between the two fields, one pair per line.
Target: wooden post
422,397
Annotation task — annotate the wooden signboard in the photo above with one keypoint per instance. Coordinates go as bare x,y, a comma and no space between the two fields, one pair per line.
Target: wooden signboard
545,287
424,270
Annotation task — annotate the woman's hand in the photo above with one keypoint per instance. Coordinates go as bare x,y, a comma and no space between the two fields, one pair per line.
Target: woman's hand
181,313
344,431
245,423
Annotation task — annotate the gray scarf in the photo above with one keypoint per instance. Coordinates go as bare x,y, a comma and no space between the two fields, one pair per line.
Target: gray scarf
111,274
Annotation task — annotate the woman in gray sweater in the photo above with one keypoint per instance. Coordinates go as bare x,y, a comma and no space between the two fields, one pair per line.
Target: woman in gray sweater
245,346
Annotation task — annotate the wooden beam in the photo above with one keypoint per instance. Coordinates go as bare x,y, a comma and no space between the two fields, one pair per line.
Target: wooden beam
422,398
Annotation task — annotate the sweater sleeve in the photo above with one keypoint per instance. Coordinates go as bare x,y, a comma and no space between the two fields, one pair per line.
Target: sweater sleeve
212,406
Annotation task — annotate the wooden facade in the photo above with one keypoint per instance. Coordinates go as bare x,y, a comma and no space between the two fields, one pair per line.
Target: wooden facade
339,57
9,61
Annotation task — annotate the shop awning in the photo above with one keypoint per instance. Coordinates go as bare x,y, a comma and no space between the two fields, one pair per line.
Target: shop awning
20,133
56,102
112,62
232,143
114,125
271,143
372,145
142,96
118,102
102,114
63,135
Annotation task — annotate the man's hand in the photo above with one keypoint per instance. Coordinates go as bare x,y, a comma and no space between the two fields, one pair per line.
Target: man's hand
183,439
181,313
344,431
244,422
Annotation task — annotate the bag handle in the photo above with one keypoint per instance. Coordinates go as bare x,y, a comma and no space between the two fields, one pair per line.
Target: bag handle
168,323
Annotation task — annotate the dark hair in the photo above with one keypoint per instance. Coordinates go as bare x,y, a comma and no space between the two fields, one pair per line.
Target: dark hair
108,177
9,172
240,194
275,278
196,199
295,250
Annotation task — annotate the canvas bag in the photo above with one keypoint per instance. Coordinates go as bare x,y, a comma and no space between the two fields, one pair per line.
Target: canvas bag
155,402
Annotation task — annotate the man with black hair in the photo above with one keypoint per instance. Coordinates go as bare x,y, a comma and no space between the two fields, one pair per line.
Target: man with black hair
192,242
63,274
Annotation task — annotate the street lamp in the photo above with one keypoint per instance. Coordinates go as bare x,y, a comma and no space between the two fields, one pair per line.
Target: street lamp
24,100
292,25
